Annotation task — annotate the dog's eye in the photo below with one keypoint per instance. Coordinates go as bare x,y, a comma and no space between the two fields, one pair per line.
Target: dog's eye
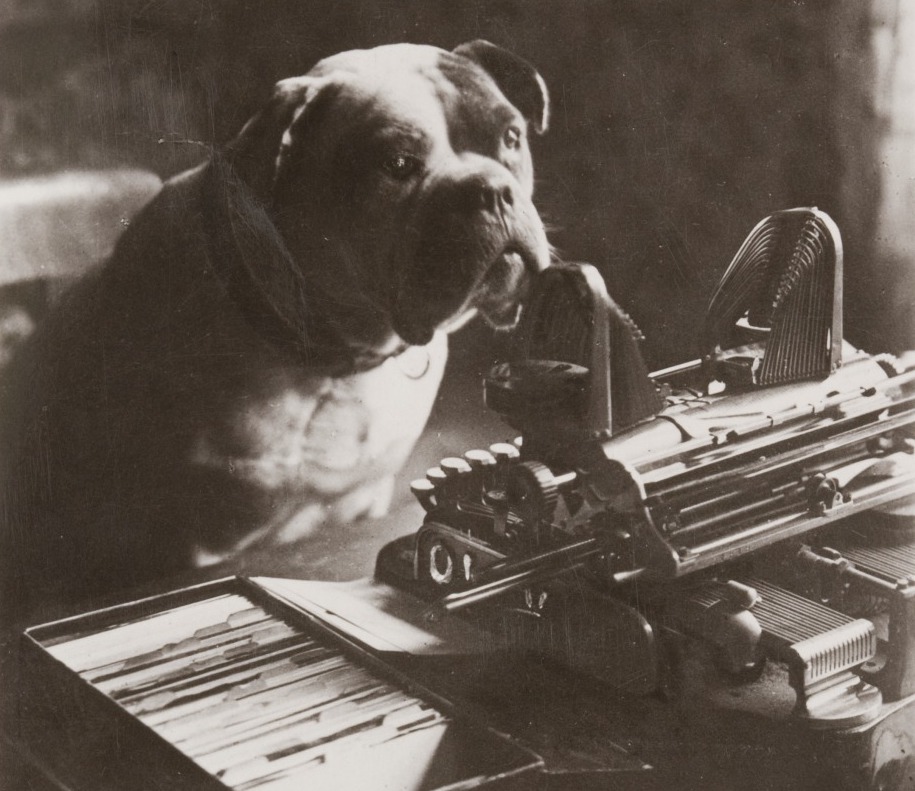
512,137
401,166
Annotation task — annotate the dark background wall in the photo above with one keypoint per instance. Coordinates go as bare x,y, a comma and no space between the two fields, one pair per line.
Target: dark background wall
676,126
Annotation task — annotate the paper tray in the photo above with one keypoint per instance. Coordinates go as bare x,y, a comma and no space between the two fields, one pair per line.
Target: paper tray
223,685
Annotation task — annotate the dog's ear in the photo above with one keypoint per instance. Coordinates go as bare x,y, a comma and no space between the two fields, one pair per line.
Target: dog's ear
256,152
517,79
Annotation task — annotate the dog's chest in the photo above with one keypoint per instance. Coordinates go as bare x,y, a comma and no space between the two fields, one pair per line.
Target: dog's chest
322,435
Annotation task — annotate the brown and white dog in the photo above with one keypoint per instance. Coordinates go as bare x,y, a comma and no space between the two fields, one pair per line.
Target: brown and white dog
264,347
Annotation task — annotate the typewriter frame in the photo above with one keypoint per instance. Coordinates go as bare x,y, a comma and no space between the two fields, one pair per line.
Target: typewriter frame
648,505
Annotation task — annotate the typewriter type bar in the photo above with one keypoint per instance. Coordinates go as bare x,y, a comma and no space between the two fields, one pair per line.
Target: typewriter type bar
785,283
259,697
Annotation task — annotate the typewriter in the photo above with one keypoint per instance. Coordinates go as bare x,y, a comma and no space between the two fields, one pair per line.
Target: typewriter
755,503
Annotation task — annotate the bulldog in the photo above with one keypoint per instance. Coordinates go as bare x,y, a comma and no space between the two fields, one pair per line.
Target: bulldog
262,350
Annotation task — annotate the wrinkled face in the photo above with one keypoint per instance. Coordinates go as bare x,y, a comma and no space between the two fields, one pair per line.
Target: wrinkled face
403,189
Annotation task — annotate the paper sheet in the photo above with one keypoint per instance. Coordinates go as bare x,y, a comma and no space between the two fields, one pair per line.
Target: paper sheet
379,616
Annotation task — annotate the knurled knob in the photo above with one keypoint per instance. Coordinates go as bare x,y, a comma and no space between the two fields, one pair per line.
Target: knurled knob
532,492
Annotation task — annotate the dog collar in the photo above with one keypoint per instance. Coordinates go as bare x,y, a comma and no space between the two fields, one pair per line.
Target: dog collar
366,360
317,344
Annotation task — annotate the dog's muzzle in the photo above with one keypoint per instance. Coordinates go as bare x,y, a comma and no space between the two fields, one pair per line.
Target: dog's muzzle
477,240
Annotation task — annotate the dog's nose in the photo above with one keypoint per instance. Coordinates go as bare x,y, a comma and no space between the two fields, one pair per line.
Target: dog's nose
486,194
495,197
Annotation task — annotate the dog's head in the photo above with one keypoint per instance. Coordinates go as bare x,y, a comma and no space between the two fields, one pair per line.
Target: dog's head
399,180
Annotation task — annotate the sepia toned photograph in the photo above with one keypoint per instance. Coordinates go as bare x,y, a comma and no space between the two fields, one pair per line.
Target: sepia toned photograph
482,394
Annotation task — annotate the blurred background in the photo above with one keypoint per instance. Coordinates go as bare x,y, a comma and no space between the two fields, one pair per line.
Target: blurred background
677,125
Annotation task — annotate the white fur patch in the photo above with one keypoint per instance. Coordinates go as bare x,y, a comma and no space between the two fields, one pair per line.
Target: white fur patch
333,435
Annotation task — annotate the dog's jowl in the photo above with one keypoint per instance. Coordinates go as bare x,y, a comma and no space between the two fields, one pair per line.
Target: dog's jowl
261,352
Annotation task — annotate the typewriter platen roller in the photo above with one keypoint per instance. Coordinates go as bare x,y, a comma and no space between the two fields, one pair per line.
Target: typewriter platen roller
754,501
